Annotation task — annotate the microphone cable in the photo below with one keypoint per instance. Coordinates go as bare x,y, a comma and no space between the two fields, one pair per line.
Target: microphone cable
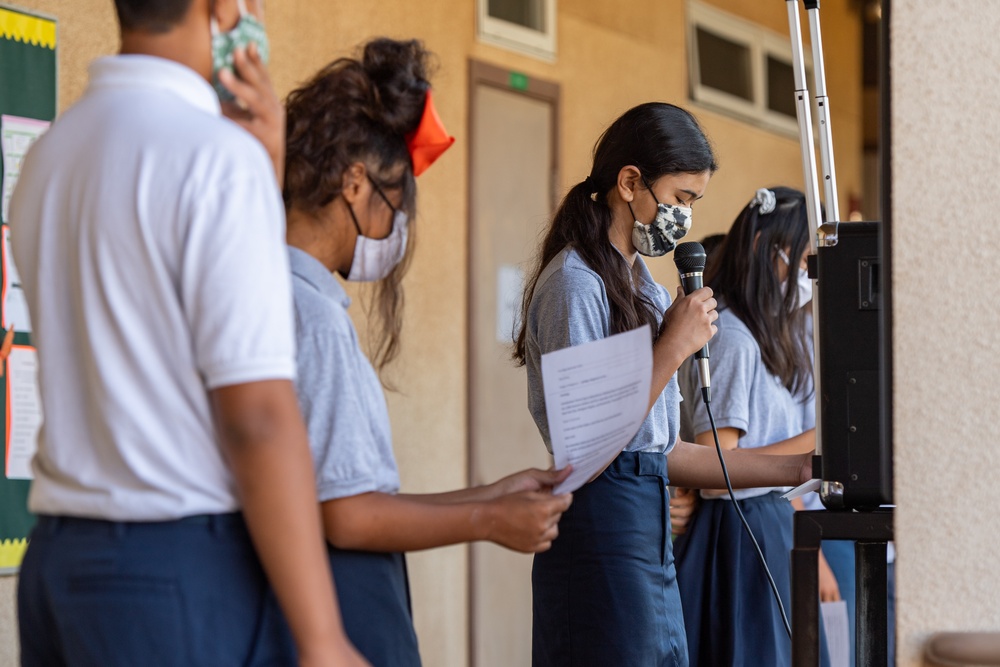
690,259
732,496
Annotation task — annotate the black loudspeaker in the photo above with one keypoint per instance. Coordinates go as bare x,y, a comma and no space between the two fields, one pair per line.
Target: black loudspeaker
856,461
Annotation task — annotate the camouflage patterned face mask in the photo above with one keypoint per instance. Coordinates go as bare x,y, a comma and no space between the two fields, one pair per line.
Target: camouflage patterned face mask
248,29
660,236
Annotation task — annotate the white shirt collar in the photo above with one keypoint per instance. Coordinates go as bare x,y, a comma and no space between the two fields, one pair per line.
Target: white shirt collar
141,71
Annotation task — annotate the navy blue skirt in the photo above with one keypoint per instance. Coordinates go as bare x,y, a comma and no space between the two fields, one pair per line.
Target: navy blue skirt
606,593
729,611
374,596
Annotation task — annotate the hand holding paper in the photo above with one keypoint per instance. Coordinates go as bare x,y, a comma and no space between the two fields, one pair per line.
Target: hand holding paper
596,398
532,479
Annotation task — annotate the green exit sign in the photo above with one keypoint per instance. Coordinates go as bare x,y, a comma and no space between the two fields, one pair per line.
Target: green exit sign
518,81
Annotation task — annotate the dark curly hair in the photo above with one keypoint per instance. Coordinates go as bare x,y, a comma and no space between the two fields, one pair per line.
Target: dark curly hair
360,110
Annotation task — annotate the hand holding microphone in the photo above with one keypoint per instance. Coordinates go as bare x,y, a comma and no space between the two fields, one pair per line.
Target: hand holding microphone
688,324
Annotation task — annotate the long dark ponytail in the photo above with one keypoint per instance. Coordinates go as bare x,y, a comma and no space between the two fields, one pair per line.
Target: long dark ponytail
657,138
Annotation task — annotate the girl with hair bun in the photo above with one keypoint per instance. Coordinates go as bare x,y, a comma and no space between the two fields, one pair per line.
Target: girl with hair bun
762,367
358,133
606,593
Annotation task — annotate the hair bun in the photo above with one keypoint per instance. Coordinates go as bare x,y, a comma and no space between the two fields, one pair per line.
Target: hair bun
399,74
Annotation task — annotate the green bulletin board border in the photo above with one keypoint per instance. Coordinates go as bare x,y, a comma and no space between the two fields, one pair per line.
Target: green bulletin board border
29,75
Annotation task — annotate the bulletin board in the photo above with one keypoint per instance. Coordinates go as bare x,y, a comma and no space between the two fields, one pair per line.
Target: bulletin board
28,76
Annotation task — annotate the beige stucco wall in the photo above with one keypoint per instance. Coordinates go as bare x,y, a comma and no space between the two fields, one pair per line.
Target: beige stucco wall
945,140
609,59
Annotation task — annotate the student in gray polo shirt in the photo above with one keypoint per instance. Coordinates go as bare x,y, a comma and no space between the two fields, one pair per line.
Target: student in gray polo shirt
606,593
358,133
763,401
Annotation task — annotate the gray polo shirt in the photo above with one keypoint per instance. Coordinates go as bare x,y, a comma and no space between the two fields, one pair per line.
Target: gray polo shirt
339,392
570,307
745,395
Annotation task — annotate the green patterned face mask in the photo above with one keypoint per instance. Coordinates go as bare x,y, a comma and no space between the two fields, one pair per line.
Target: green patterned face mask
248,29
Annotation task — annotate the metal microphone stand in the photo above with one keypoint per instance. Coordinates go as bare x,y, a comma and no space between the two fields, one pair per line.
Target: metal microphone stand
870,530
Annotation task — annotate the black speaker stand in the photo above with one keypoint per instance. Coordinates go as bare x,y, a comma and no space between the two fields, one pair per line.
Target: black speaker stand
871,532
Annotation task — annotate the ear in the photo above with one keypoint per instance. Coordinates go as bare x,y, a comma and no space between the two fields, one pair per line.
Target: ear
756,238
629,181
226,13
354,183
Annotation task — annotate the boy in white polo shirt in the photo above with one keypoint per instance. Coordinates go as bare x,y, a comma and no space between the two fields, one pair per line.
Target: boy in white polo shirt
148,231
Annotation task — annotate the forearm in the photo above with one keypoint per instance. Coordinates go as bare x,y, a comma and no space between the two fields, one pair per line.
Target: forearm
384,522
272,466
475,494
666,362
803,443
530,479
729,438
695,466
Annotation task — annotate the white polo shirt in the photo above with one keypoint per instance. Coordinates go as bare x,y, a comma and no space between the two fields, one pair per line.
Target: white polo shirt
149,235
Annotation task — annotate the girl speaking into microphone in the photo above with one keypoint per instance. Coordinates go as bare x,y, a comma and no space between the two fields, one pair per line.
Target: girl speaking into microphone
606,593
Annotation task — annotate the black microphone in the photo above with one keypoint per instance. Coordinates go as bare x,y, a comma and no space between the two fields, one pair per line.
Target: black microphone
690,260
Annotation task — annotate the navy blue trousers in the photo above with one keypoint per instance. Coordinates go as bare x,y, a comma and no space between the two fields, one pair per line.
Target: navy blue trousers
374,596
174,594
606,593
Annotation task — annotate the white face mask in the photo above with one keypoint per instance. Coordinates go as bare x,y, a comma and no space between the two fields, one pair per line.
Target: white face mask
374,259
659,237
803,282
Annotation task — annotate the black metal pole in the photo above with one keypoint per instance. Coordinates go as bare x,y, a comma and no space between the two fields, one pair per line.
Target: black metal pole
872,604
805,591
872,530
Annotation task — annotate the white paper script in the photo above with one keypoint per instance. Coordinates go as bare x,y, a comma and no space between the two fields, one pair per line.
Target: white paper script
25,410
596,398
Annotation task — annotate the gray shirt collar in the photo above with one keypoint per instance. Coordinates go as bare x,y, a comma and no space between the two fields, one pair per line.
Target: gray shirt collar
311,270
643,271
639,268
640,272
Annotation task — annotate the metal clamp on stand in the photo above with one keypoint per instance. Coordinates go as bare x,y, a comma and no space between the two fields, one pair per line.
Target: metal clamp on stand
872,532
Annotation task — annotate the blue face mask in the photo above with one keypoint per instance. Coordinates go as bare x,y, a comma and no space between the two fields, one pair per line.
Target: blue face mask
248,29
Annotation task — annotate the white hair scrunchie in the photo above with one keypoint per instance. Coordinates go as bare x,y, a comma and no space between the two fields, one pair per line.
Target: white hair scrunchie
765,199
